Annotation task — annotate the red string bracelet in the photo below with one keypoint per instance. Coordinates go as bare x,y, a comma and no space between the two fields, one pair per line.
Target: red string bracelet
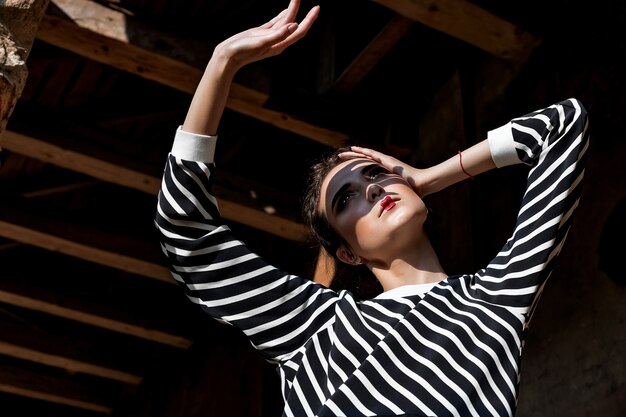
463,169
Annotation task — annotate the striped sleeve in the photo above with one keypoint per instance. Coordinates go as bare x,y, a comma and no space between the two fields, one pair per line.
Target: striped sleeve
553,141
278,312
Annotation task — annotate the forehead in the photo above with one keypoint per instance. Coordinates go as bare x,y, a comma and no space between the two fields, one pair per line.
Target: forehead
345,170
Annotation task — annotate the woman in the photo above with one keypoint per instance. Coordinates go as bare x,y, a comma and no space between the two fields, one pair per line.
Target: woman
430,344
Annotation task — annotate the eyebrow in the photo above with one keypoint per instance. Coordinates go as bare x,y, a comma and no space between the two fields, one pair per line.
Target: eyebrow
364,170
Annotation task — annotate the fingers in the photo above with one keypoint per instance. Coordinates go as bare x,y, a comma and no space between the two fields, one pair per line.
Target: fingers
277,36
275,19
352,155
387,161
292,11
308,20
359,152
367,152
300,31
285,16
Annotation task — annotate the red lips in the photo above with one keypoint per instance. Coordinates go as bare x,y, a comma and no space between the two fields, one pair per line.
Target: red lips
387,203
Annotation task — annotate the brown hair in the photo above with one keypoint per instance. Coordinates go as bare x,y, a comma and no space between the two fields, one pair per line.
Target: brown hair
316,221
357,279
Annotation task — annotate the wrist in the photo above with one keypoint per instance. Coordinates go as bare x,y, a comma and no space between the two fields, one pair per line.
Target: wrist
222,64
431,181
442,175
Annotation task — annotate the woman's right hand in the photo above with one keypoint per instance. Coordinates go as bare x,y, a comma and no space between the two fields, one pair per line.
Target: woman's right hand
266,40
415,177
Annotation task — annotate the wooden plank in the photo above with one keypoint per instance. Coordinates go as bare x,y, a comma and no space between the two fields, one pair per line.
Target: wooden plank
58,399
61,236
87,293
50,241
113,38
358,69
127,177
94,320
53,389
65,71
85,85
69,364
465,21
60,189
67,158
30,339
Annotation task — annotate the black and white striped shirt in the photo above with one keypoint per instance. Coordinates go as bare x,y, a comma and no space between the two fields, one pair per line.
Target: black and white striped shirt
447,349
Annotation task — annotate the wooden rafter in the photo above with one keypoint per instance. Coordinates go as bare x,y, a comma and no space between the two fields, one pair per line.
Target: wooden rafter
106,356
77,241
86,317
464,20
358,69
100,168
113,38
69,364
54,389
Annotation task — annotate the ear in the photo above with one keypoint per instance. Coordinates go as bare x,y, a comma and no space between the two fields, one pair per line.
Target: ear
345,255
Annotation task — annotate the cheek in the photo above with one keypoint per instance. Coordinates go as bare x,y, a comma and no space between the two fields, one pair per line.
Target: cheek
401,224
352,221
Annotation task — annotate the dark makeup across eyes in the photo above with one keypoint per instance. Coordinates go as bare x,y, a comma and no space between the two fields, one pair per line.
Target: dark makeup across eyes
365,171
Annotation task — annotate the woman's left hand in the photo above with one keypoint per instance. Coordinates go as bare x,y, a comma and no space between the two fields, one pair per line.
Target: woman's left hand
269,39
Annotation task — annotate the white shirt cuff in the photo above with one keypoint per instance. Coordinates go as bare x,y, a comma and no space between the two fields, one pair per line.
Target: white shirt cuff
502,146
194,147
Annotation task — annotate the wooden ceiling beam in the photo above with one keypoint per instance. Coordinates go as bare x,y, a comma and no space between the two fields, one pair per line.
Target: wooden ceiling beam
61,236
100,168
62,156
51,241
358,69
31,340
113,38
53,398
69,364
83,316
53,389
89,294
465,21
60,189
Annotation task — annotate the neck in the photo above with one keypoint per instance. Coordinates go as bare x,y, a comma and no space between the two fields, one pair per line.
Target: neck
421,266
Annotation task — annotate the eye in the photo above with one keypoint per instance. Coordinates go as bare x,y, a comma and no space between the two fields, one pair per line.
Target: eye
344,199
376,172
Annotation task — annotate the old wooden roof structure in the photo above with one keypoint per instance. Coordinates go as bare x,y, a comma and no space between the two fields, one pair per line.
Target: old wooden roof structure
91,322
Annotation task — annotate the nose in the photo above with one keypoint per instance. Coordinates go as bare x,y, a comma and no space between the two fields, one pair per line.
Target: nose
374,191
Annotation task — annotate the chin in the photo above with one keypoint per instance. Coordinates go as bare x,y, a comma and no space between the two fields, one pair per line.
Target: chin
414,218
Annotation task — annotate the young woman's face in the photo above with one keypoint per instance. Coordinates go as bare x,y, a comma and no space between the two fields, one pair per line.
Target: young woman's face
375,211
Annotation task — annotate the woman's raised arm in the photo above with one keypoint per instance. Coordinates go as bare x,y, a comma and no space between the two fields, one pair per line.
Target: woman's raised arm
472,161
255,44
